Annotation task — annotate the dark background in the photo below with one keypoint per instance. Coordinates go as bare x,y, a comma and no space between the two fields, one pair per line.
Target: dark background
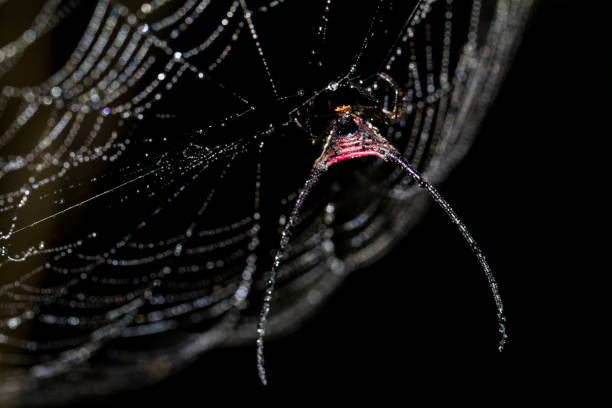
421,322
423,319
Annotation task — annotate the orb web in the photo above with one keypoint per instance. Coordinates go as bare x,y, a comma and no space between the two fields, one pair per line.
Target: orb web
150,163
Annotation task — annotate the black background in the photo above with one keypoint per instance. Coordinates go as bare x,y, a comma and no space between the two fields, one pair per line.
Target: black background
421,322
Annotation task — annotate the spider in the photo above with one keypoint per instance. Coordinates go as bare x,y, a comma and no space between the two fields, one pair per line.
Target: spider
352,133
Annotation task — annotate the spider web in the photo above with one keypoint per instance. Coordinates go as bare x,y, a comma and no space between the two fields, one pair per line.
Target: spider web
148,169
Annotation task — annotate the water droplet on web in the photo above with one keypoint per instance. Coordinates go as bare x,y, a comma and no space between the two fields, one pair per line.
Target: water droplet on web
146,8
13,322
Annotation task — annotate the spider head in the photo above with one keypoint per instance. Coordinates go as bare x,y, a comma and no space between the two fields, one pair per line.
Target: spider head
346,123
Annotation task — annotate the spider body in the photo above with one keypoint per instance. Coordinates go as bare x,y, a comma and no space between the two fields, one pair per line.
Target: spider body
351,137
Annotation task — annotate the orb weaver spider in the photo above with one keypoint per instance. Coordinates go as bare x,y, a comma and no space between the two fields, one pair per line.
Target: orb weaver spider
353,134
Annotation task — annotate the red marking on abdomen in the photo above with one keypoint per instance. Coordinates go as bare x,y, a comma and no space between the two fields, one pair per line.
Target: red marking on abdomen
366,141
346,156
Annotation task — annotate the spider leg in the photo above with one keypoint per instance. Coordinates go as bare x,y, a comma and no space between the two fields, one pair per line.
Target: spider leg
397,110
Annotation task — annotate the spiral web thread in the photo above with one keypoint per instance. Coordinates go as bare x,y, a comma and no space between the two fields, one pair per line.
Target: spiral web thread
128,59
